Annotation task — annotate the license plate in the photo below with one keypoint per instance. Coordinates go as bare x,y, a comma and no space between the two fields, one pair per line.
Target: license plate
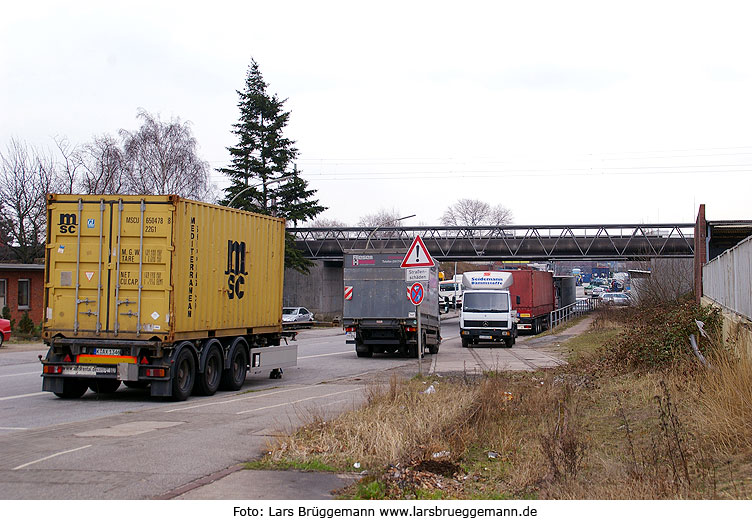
482,337
89,371
108,351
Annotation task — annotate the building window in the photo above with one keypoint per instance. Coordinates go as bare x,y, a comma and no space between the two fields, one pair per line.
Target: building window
3,301
23,294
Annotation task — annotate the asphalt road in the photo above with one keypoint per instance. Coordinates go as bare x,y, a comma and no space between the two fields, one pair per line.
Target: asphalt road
129,446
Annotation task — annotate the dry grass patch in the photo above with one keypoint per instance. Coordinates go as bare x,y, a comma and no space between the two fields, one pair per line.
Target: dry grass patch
592,430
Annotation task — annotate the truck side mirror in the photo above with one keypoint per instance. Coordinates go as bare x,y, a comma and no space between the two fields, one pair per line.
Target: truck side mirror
518,300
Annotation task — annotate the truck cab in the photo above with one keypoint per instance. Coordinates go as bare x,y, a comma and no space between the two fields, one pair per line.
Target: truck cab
487,314
450,293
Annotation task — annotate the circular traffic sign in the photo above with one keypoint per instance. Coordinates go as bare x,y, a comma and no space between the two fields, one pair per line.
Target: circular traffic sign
416,294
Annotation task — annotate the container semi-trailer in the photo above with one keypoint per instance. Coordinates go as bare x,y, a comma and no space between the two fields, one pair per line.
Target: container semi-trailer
378,316
534,293
161,292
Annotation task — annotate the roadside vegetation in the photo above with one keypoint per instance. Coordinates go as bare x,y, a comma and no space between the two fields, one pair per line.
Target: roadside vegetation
633,416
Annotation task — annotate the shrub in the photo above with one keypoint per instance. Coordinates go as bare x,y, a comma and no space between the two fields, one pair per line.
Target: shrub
657,336
26,325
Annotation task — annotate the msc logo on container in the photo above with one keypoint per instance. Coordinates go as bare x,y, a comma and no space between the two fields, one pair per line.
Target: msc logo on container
68,223
235,269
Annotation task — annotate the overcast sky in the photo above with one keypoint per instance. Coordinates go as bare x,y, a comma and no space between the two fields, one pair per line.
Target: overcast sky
562,111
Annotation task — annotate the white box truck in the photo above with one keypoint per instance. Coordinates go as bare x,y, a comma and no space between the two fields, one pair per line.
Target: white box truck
487,314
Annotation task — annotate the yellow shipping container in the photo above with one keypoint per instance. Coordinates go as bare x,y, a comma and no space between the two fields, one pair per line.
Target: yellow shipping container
160,267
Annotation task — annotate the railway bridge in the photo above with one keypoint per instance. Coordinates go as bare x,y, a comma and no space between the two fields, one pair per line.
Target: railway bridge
515,242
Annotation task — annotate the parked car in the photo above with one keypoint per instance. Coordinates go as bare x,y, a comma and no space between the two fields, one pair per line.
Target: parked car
597,291
615,298
4,331
296,314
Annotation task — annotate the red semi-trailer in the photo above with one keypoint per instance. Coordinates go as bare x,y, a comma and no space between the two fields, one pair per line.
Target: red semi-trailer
533,297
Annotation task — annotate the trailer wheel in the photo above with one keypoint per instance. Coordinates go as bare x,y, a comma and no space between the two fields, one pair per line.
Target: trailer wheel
104,386
207,382
363,351
183,375
233,377
73,388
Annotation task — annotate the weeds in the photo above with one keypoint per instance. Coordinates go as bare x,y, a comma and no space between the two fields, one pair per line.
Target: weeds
617,423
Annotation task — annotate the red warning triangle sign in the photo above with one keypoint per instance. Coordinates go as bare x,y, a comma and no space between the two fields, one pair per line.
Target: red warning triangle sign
417,256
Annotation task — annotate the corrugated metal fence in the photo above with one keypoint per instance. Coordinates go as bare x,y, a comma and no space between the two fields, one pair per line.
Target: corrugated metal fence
727,279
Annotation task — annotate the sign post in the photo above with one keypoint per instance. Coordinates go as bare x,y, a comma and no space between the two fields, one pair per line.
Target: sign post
416,261
416,298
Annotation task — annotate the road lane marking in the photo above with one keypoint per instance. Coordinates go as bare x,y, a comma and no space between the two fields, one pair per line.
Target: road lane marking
19,467
11,428
325,354
256,396
297,401
19,374
22,396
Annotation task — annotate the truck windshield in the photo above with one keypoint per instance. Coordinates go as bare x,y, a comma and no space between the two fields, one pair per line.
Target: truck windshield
485,302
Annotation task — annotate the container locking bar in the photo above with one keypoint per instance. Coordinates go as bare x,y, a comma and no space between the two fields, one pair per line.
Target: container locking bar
117,266
99,273
140,269
78,264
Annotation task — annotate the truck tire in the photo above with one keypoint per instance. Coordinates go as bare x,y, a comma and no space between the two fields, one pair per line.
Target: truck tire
233,377
183,374
433,349
104,386
465,342
73,388
207,383
363,351
509,342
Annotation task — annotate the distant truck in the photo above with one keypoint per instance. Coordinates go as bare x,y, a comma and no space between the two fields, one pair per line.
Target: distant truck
534,295
378,316
450,293
600,271
565,290
160,292
487,314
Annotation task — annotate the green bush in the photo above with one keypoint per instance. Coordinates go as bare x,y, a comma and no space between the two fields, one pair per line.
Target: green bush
6,313
26,325
657,336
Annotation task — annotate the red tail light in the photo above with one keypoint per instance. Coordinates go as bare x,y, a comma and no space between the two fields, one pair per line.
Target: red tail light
349,329
154,372
52,370
411,329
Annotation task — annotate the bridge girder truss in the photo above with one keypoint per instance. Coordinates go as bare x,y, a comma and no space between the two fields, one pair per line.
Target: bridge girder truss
483,243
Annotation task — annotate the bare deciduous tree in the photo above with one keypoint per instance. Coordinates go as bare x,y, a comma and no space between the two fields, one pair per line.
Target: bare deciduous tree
104,167
26,176
382,218
471,212
68,168
161,158
666,280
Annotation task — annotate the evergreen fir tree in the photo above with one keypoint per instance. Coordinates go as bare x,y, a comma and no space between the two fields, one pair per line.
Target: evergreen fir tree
263,180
